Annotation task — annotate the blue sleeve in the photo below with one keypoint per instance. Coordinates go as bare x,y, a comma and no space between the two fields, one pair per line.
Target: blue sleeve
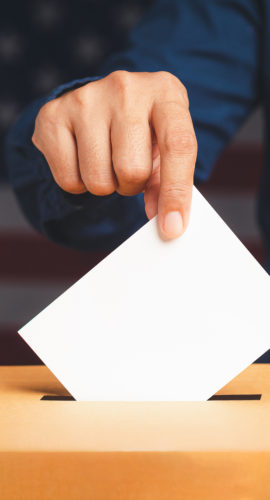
214,48
83,222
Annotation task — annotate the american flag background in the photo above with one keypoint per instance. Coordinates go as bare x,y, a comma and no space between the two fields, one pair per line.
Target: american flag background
44,43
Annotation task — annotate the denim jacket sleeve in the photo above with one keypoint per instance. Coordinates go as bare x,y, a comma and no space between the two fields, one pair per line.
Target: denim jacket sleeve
213,47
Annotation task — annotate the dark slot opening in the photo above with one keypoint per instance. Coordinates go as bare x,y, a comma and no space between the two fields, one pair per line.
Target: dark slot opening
236,397
221,397
58,398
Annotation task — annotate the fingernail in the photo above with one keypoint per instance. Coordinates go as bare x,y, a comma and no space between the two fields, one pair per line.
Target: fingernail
173,224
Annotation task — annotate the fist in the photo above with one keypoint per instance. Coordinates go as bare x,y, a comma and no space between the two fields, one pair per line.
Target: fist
130,133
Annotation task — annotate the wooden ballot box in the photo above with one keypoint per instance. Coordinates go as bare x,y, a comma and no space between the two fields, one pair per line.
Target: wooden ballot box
54,448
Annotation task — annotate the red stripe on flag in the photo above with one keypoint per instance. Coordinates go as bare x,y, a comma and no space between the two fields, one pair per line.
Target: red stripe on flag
33,258
238,168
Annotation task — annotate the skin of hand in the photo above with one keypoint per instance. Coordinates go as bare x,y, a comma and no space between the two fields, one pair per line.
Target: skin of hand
130,133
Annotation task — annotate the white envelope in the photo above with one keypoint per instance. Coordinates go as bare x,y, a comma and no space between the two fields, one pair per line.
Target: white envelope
159,320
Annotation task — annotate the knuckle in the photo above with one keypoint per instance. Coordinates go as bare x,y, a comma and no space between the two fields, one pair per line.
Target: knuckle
180,143
178,192
35,141
122,88
166,76
47,113
184,94
120,78
187,142
132,175
173,86
101,189
46,124
80,96
69,184
98,187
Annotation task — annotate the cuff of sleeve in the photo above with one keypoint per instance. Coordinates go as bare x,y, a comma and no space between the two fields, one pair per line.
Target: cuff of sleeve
41,198
75,84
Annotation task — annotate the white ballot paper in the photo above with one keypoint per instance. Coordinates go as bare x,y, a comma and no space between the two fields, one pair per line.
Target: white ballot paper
159,320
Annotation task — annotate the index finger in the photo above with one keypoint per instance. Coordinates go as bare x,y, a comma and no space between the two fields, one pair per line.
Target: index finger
178,150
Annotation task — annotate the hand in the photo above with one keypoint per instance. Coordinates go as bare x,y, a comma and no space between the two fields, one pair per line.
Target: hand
130,133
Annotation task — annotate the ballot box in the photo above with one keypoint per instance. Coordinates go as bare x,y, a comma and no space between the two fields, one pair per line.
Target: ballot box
52,447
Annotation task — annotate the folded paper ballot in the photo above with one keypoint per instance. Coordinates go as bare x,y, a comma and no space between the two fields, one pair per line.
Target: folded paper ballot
159,320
